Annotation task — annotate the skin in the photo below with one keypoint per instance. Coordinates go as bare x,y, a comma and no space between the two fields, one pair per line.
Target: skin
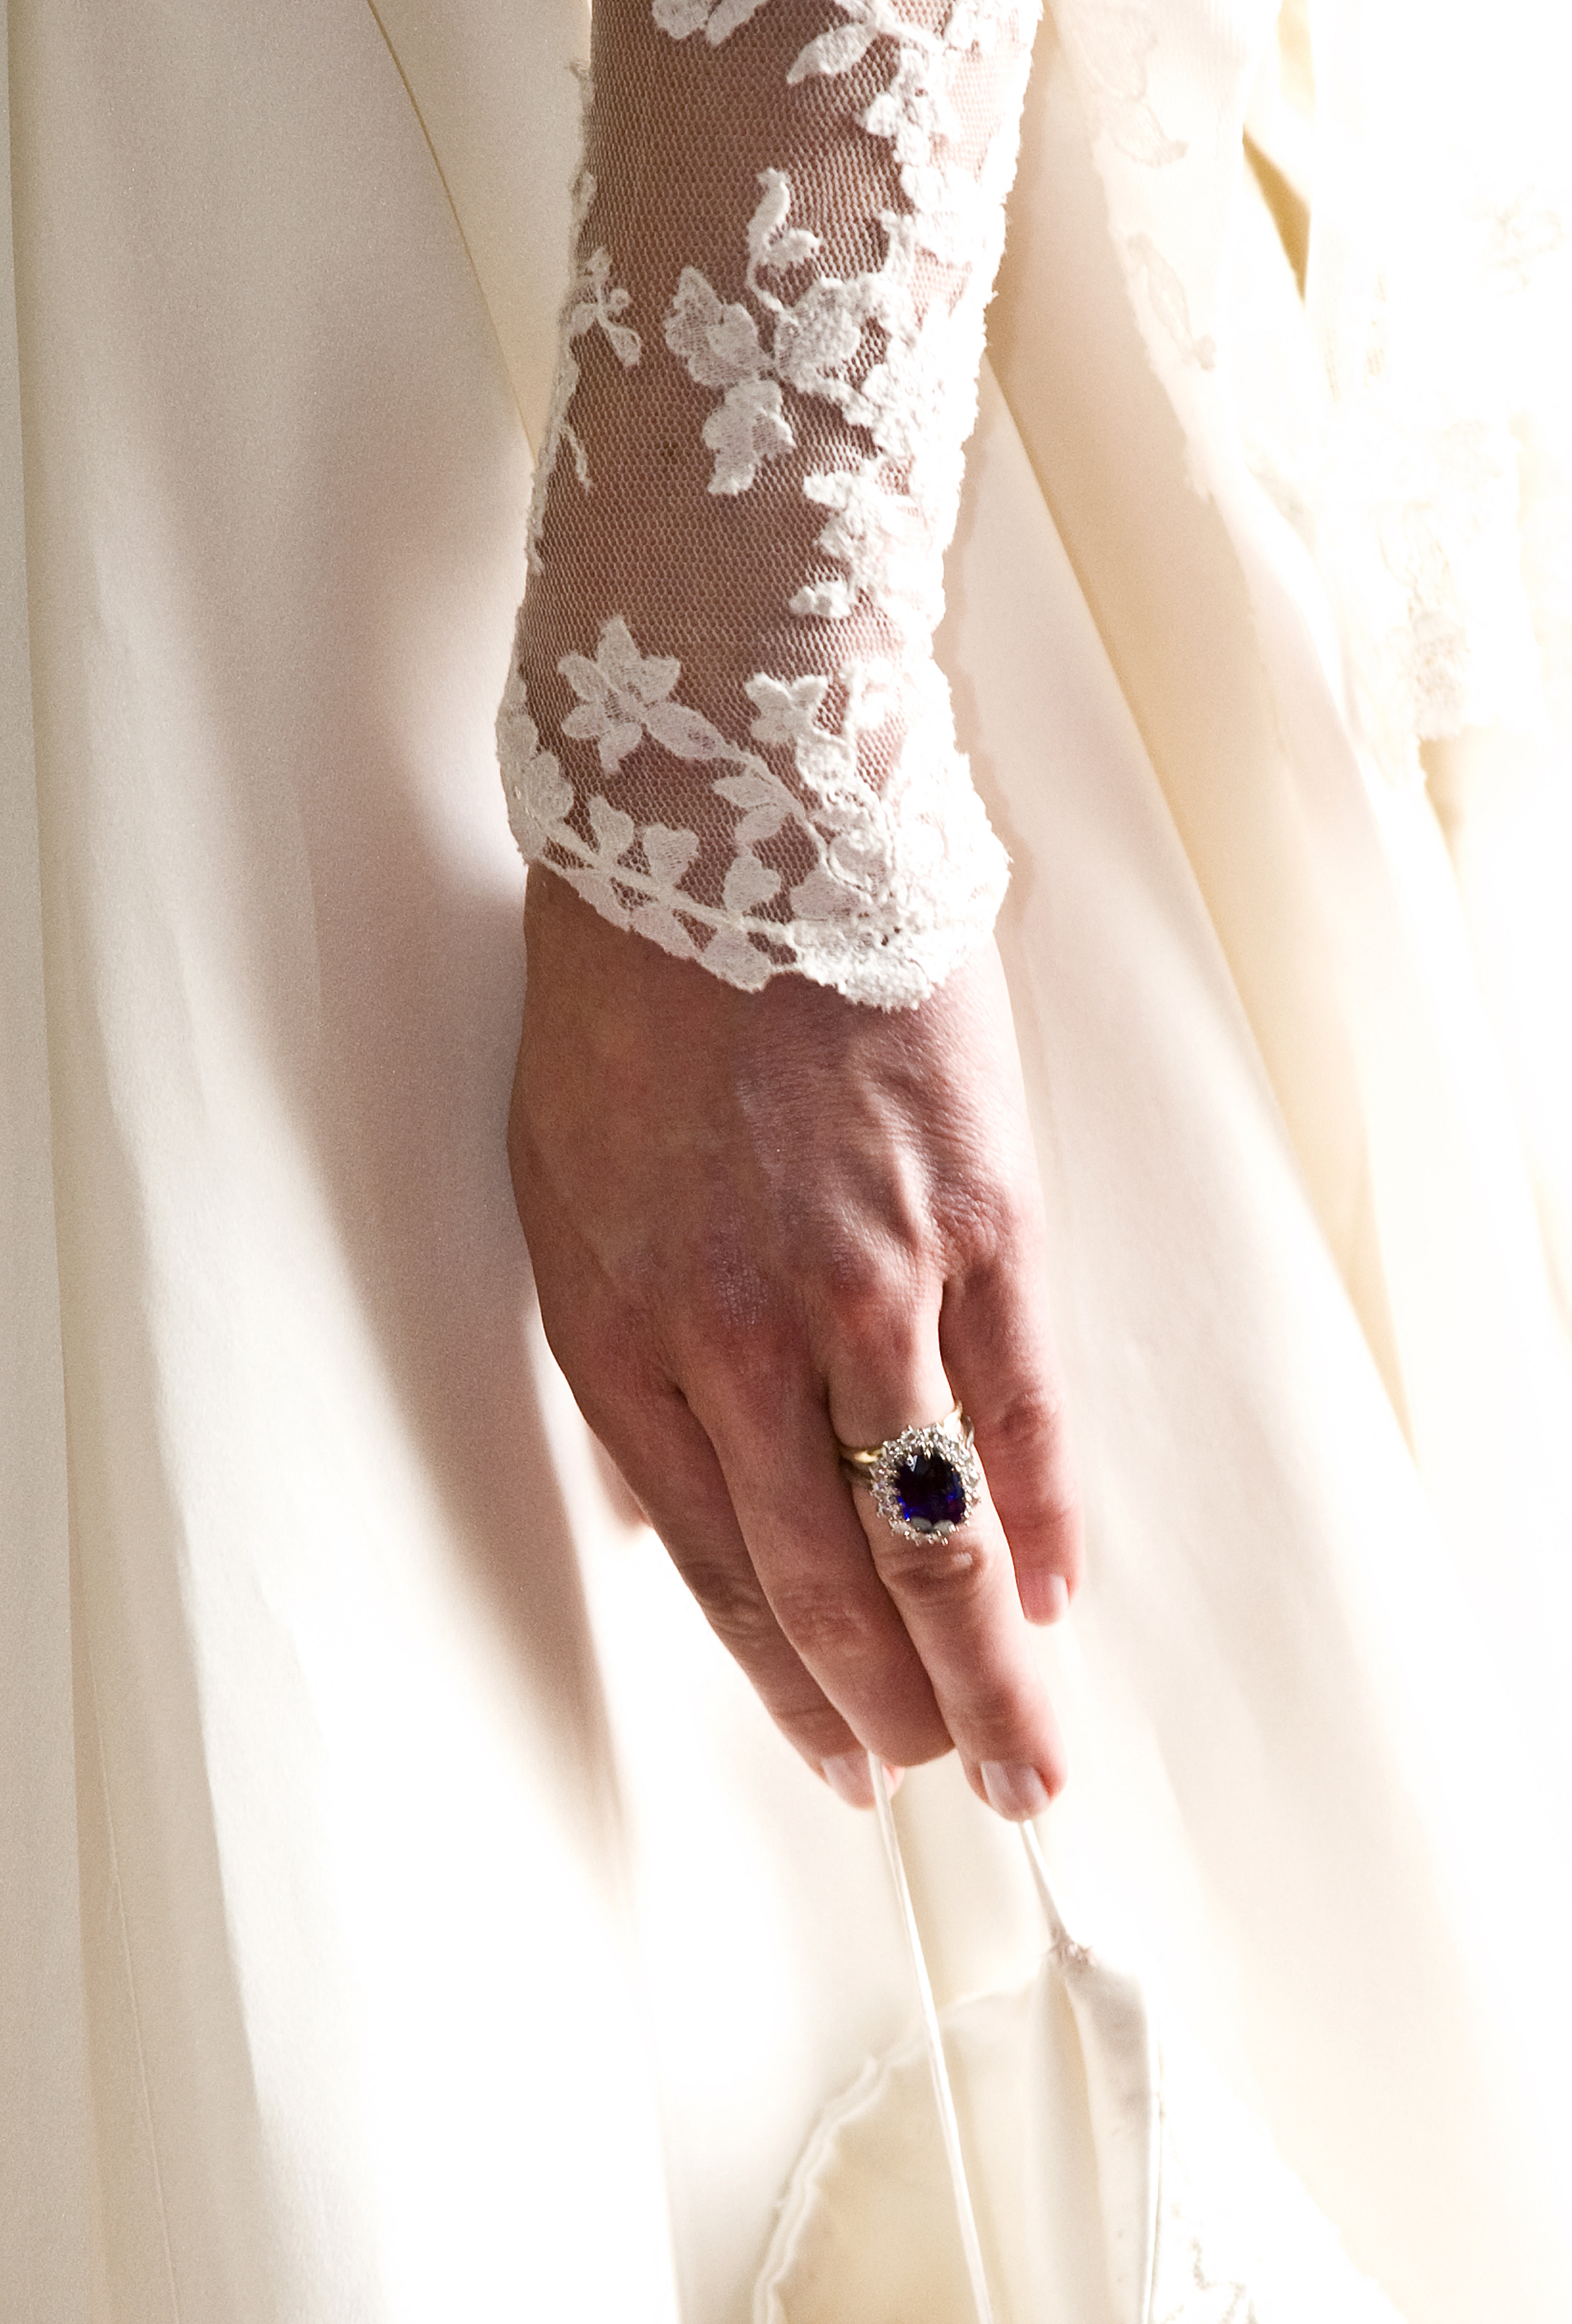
762,1220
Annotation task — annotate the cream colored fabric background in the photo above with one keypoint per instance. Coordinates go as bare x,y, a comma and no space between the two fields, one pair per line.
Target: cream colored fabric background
405,1911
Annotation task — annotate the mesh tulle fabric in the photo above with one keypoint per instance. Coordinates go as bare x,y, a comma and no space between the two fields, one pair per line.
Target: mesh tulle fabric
723,724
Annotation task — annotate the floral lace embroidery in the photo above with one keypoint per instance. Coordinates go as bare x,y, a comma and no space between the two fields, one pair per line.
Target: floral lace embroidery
1169,301
1113,42
682,18
879,872
920,396
1422,497
1409,449
873,855
593,303
1521,235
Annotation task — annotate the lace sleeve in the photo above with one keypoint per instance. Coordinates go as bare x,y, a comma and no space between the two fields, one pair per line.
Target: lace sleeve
723,724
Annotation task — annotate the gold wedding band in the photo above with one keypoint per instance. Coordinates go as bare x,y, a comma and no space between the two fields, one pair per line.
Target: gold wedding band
864,1456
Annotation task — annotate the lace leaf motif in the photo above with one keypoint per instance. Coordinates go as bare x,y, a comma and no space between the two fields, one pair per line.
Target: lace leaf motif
872,880
1113,40
899,884
910,397
834,52
682,18
880,535
721,346
593,303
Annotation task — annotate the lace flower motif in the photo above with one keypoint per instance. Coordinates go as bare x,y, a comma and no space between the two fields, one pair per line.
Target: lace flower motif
898,887
624,695
719,345
883,535
716,19
1113,42
923,385
841,837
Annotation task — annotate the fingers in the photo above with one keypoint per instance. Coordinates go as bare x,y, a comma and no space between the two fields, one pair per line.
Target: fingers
720,1350
671,1464
670,1467
778,1453
852,1634
958,1603
999,1351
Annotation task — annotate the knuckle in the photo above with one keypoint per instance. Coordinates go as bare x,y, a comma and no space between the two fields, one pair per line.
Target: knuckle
734,1606
618,1400
948,1578
1029,1421
723,1316
738,1398
871,1374
817,1727
1047,1517
1061,1514
861,1285
1029,1429
1033,1485
979,1216
829,1629
730,1328
998,1717
974,1230
860,1276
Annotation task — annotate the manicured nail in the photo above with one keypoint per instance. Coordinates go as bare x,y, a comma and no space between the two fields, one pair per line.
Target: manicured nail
1014,1792
1044,1597
848,1779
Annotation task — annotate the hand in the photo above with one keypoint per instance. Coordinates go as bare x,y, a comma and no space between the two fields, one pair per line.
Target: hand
760,1221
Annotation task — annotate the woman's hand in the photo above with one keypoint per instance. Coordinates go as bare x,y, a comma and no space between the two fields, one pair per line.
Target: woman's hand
760,1221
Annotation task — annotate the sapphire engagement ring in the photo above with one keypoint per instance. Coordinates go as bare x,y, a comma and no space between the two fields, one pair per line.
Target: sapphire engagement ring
926,1481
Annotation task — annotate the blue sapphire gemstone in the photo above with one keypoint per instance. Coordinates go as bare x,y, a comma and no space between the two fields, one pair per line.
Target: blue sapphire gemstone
930,1491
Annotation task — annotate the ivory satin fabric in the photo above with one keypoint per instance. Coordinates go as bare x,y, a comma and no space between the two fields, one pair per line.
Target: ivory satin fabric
406,1912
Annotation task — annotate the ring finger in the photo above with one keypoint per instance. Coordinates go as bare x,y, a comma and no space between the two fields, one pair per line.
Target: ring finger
956,1593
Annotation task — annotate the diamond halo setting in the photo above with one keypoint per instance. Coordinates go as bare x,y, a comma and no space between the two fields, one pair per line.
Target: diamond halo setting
926,1482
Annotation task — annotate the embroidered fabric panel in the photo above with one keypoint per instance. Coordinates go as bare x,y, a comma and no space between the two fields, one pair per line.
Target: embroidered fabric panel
1437,295
723,724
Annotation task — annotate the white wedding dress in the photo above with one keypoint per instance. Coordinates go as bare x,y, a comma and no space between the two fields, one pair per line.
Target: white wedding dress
407,1910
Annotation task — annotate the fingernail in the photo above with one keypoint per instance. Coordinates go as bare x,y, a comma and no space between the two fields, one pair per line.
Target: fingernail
848,1779
1017,1793
1044,1597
